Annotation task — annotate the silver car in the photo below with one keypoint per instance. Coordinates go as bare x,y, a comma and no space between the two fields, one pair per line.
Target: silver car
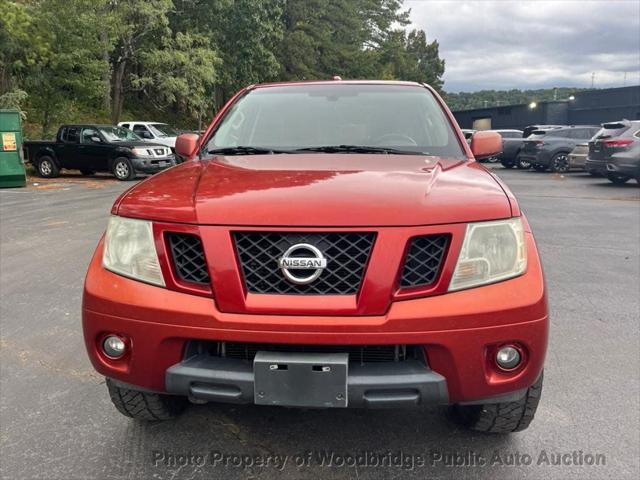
578,156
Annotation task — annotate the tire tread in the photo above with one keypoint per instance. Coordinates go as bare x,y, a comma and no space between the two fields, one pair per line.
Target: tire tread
503,417
143,405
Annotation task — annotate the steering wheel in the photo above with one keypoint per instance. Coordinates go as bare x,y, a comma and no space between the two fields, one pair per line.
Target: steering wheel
395,140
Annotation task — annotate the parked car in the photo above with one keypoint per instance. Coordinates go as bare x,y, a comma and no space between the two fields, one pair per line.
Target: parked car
98,148
468,134
153,132
578,156
528,130
511,144
549,149
615,151
357,253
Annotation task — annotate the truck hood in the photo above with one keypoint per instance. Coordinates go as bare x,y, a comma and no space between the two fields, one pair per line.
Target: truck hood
318,189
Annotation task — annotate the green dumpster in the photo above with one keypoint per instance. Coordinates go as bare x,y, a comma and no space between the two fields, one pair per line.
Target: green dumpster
12,173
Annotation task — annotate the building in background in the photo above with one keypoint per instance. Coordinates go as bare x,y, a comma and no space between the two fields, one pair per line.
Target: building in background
591,107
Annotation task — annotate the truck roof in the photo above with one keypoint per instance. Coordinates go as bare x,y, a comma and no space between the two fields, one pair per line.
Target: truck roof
140,122
97,125
335,82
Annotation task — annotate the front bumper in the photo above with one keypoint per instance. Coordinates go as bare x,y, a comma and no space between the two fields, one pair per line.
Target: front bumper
458,331
153,164
407,383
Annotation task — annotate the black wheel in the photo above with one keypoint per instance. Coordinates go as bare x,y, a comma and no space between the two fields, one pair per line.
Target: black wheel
87,172
493,160
143,405
560,163
522,164
503,417
122,169
618,179
539,168
47,168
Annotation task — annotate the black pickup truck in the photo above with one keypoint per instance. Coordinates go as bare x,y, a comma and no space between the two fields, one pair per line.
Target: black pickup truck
98,148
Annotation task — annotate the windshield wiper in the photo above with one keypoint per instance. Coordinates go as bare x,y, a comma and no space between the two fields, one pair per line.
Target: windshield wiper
358,149
240,150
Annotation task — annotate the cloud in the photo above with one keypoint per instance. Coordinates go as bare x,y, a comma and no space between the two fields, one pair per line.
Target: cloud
533,44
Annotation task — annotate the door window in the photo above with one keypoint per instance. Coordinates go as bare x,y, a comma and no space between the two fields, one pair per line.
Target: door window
71,135
142,131
88,134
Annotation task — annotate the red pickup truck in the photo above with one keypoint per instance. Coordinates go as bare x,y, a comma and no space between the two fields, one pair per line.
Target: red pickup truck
328,244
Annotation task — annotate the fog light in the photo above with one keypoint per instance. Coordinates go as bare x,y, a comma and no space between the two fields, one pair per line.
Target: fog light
508,358
113,347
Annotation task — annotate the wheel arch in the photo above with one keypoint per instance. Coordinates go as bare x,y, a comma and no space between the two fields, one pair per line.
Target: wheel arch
48,152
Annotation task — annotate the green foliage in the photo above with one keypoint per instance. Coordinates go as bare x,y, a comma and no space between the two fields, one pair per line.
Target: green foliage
14,100
410,57
180,60
493,98
323,38
179,73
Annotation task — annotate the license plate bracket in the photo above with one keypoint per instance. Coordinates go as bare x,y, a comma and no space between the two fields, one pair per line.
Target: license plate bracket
301,379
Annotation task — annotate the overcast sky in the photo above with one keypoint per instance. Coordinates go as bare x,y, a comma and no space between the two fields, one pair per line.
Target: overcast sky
507,44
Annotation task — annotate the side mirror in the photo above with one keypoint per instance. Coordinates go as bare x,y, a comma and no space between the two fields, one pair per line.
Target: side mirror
96,139
147,135
186,144
486,144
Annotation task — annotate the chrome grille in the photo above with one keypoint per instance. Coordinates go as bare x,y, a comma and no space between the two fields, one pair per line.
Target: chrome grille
423,260
347,255
188,257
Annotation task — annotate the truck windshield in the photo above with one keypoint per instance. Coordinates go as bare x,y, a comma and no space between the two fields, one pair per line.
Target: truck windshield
163,130
321,117
118,134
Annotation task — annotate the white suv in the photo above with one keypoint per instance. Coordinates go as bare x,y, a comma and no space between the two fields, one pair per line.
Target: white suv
154,132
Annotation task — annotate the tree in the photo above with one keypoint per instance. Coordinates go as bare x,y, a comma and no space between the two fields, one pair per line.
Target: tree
179,74
410,57
134,26
245,33
60,65
337,37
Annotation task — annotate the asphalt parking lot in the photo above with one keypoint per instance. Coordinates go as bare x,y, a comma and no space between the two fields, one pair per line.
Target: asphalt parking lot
56,421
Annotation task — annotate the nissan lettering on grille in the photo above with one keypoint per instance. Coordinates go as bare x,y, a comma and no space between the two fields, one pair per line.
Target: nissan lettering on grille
314,263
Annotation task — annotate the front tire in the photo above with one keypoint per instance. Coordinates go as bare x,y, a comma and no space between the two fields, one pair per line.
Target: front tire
506,417
47,167
145,406
123,169
560,163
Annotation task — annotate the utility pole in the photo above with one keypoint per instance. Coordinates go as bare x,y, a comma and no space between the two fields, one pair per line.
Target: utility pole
593,78
624,82
555,93
485,103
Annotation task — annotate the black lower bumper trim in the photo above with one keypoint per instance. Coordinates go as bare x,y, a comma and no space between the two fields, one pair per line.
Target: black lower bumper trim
376,385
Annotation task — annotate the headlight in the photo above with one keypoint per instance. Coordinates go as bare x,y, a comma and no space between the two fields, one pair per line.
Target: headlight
140,152
491,251
129,250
